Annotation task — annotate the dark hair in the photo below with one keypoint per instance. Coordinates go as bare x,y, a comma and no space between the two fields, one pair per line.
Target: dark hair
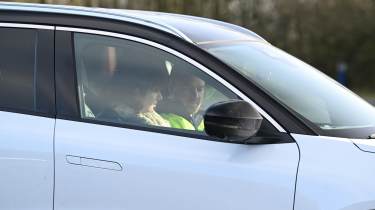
180,75
142,76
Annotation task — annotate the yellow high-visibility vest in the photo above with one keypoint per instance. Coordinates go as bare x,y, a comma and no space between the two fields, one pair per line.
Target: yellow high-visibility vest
177,121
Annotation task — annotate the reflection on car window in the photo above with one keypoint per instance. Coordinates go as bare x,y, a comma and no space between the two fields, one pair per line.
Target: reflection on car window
297,85
126,82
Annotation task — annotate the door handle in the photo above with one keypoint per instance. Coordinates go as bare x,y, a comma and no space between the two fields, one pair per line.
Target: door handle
92,162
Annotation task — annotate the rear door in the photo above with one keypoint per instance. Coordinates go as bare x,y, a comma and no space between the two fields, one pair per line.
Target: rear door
26,116
107,163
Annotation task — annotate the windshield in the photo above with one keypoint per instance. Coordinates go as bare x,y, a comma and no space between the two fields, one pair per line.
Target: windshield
303,89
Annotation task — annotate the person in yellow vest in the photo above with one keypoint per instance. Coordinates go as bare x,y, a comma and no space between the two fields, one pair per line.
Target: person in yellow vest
181,106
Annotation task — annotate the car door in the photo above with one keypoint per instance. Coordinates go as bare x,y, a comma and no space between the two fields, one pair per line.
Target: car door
108,161
27,116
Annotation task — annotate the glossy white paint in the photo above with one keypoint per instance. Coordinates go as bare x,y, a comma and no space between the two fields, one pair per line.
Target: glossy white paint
26,162
101,167
366,145
334,174
160,171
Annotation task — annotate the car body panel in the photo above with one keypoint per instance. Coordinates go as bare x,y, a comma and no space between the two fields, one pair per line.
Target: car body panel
26,162
366,145
333,174
162,171
101,166
194,29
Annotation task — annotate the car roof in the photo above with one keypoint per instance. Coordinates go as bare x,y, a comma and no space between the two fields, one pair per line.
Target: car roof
196,30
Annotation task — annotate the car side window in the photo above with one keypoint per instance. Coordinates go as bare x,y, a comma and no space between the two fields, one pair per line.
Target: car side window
127,82
18,68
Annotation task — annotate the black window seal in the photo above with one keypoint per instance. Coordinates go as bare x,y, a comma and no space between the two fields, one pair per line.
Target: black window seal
26,112
282,138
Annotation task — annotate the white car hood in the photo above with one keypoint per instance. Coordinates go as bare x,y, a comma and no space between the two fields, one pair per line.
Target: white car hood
366,145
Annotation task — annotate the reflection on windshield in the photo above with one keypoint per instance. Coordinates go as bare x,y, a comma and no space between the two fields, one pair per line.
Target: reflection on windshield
302,88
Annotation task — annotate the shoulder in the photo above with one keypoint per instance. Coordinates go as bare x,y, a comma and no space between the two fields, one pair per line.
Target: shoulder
177,121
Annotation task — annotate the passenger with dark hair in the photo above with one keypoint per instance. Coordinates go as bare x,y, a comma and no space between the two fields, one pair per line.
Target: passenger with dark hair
135,92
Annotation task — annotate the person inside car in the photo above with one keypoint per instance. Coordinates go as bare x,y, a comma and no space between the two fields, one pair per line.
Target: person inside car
185,96
133,98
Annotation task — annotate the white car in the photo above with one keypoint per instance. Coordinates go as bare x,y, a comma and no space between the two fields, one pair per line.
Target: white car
114,109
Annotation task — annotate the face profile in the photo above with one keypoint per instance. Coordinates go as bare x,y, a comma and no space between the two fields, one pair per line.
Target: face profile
135,91
189,93
149,100
184,100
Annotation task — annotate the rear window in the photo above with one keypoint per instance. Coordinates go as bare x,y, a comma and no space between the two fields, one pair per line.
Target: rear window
18,67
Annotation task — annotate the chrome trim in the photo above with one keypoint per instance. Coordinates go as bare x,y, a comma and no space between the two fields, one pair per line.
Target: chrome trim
92,12
187,59
21,25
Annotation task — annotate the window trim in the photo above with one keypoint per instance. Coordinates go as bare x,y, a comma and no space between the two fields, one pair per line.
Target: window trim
181,56
27,26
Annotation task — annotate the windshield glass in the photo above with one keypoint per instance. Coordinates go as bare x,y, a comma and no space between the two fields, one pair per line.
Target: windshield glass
305,90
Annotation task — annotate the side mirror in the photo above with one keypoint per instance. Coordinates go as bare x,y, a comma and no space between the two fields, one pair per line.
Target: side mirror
234,120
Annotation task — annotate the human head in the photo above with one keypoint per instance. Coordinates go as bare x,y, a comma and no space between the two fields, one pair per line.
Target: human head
147,99
187,90
138,88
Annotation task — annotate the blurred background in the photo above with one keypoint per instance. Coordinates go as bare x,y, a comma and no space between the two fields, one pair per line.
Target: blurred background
335,36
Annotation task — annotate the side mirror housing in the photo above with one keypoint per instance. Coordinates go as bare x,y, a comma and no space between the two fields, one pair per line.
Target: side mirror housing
233,120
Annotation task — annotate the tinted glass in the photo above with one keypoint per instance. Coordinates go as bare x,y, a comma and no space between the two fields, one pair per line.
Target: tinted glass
309,93
127,82
18,68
